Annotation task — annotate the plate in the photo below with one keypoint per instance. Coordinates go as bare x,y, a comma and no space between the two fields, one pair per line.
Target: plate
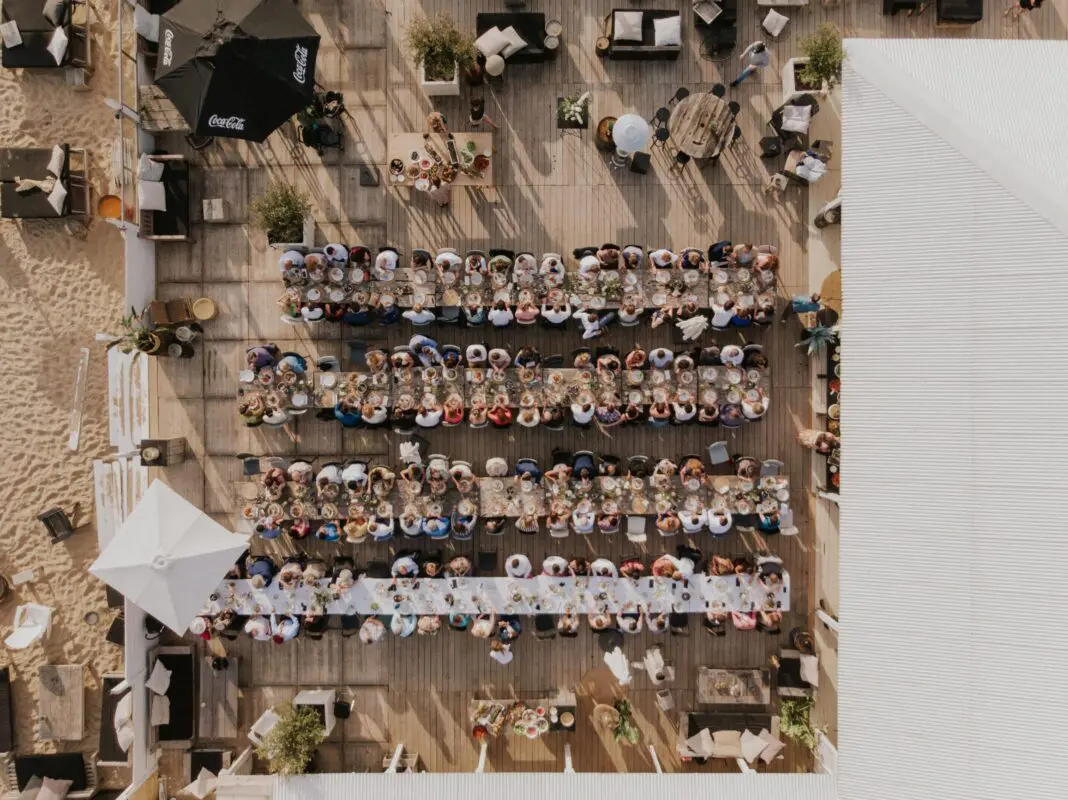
690,277
662,276
733,397
753,375
635,397
314,295
734,375
833,411
743,274
752,395
597,302
782,495
328,379
419,276
475,279
246,376
449,278
337,295
708,397
631,279
659,299
720,276
422,184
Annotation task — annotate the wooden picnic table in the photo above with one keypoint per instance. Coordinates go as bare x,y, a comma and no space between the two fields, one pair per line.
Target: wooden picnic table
701,125
61,708
217,717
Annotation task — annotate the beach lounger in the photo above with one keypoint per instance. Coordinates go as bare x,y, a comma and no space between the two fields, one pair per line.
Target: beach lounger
32,163
172,224
37,32
7,713
73,767
180,731
109,754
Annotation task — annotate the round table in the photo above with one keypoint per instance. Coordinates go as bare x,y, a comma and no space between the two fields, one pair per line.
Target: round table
701,125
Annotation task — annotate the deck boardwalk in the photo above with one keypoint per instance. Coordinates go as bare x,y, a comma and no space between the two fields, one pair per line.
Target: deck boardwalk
553,192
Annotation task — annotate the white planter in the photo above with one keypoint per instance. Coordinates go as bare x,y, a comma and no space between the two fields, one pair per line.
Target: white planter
308,234
789,85
440,88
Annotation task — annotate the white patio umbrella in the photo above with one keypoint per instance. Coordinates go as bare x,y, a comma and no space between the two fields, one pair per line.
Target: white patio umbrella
630,133
168,557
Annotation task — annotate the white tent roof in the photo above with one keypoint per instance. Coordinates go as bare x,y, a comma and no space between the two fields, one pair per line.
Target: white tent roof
168,557
955,352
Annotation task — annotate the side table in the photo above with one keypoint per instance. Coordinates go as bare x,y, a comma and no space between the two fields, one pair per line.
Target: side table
602,46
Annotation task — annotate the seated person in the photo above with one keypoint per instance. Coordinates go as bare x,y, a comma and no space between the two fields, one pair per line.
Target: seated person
291,576
436,527
720,251
578,567
692,258
629,622
411,522
692,521
259,628
402,625
610,258
527,469
632,568
583,521
356,529
603,568
381,529
557,315
633,256
583,466
261,571
719,521
568,624
329,531
429,416
372,630
668,523
661,358
501,316
518,566
494,525
730,415
554,566
419,315
656,622
405,566
500,414
589,268
528,524
630,311
355,477
663,258
509,628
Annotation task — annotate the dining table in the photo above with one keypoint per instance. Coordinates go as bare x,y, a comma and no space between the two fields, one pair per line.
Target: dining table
419,155
701,125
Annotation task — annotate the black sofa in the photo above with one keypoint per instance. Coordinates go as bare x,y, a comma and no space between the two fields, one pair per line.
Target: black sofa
645,50
36,34
32,163
73,767
721,37
172,224
529,25
959,12
109,752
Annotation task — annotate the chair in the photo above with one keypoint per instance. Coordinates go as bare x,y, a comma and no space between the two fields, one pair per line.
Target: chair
771,466
636,529
638,466
681,160
268,719
554,361
350,625
486,562
734,107
717,453
719,90
544,626
328,364
33,621
680,94
449,315
660,117
57,523
786,523
661,135
679,624
357,352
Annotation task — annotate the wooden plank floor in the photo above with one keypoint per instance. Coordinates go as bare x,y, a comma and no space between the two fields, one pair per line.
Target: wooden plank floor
554,192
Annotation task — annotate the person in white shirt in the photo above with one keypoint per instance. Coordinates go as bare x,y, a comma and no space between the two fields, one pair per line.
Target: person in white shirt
692,521
719,522
386,261
405,567
554,566
411,523
722,315
633,256
661,357
354,476
756,57
377,416
593,324
583,521
382,528
417,315
500,316
501,652
518,566
448,260
291,259
330,473
312,313
684,411
499,358
336,254
276,417
755,410
663,258
259,628
428,417
732,354
582,413
589,267
630,312
558,314
603,568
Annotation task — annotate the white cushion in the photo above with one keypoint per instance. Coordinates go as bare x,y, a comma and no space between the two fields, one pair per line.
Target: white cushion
668,31
57,198
58,45
796,118
515,42
10,31
627,26
160,710
146,24
726,744
59,158
160,679
752,746
774,22
57,12
150,196
772,746
491,42
148,169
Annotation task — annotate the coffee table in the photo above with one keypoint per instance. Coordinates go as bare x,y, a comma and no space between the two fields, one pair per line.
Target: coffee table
61,709
736,687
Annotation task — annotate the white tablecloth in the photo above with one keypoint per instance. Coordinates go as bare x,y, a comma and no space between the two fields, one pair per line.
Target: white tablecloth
540,595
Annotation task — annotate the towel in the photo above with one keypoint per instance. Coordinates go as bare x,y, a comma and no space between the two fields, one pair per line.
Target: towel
23,185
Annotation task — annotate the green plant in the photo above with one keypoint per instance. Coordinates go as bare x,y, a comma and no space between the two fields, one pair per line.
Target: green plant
289,746
825,56
794,721
612,288
626,730
136,336
574,108
439,45
280,212
816,339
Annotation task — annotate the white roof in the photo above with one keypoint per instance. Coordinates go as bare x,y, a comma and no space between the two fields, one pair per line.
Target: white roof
955,420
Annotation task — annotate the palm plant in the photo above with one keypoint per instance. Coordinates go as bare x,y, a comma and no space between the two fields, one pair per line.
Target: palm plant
816,339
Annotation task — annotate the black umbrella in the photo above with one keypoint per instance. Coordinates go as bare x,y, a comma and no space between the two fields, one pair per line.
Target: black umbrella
236,68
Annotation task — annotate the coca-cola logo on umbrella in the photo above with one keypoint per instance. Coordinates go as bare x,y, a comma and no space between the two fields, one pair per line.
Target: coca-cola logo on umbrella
300,72
168,53
226,123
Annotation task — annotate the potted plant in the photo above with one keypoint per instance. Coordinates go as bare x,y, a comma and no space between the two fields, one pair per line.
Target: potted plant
137,337
626,731
442,52
573,111
794,722
288,747
816,339
821,65
283,212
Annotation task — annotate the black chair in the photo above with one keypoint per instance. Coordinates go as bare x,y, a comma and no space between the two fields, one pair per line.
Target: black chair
556,360
719,90
57,523
486,562
681,160
350,625
343,562
378,569
316,628
581,252
734,107
544,626
639,466
342,709
660,117
680,94
560,456
713,627
661,136
496,251
679,624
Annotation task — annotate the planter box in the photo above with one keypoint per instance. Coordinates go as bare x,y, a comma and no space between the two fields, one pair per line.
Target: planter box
790,89
308,234
440,88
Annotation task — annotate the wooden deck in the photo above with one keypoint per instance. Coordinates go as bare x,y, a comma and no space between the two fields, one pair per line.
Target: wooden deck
553,192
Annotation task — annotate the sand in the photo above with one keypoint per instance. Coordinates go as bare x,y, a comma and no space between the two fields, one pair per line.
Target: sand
62,282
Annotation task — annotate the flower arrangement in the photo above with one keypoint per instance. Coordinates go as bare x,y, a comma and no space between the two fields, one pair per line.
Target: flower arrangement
574,109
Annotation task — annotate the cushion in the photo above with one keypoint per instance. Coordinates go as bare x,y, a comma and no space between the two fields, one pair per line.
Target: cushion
146,23
152,197
796,118
52,789
772,746
29,792
56,162
752,746
491,42
148,169
727,744
627,26
67,766
57,198
515,42
774,22
58,46
160,712
668,31
10,31
56,12
810,670
160,679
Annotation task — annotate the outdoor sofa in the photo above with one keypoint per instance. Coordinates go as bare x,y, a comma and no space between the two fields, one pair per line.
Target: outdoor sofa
37,32
73,767
35,163
647,49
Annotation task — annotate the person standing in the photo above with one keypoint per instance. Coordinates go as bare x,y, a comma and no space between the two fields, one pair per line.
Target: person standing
478,114
756,57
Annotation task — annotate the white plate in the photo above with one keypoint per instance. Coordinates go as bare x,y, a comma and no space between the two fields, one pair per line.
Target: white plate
743,274
734,375
663,276
314,295
246,376
422,184
449,278
783,495
328,379
419,276
631,279
387,296
337,295
721,276
690,277
597,302
659,299
475,279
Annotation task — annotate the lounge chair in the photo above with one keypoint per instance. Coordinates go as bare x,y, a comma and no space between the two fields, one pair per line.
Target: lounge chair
57,523
180,730
172,223
37,33
7,713
110,753
32,622
32,163
73,767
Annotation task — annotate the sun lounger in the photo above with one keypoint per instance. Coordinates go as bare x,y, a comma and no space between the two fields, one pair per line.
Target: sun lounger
109,754
74,767
172,224
37,32
7,713
181,729
32,163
